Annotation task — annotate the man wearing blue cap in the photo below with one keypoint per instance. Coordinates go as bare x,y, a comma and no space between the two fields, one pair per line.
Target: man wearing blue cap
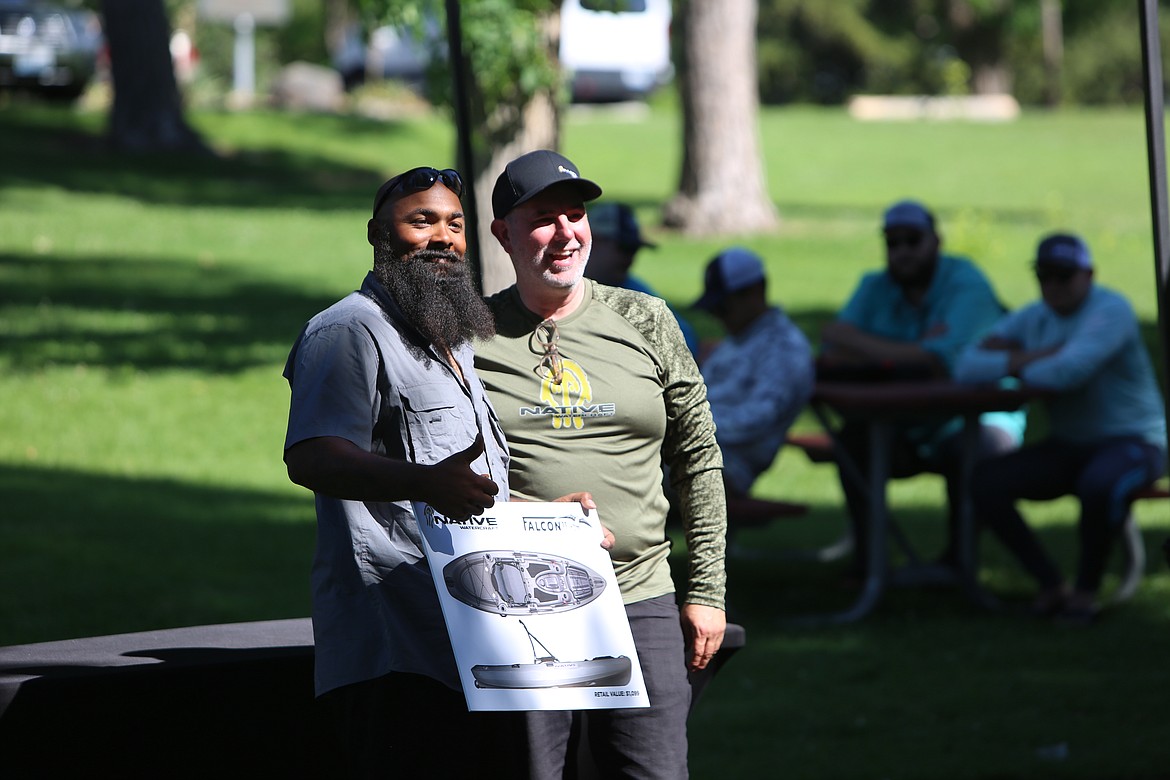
760,376
913,319
1106,419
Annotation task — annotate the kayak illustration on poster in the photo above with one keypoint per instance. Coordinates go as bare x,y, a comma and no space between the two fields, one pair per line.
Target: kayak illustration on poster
533,609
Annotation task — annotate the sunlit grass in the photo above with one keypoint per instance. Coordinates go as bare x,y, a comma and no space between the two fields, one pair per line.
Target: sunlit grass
147,306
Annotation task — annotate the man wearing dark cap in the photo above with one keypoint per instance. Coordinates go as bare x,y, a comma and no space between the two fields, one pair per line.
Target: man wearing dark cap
760,376
1106,420
595,383
912,320
617,239
386,408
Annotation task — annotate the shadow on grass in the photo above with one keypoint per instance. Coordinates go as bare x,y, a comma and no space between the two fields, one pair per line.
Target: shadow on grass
105,554
928,685
159,313
775,579
59,151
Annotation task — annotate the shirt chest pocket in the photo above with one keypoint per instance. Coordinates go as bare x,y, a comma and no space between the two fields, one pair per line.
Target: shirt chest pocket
434,423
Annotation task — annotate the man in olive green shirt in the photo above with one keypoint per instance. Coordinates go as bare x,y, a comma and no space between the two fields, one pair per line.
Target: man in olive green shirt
595,386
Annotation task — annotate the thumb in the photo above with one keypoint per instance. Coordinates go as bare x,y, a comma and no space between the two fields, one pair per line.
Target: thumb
472,452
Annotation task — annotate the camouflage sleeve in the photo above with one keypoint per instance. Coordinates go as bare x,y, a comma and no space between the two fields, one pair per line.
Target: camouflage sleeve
689,449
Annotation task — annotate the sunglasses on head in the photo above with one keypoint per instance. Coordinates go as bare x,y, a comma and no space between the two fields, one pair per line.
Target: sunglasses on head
908,240
1048,274
420,179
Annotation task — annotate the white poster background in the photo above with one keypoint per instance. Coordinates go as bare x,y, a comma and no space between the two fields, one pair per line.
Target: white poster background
586,646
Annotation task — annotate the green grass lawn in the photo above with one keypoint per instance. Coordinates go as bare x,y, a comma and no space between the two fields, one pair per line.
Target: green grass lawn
147,305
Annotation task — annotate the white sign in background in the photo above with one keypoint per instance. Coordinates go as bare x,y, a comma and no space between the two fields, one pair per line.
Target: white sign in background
274,12
533,608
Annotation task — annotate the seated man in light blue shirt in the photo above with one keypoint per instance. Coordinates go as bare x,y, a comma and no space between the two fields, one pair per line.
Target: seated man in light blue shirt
759,377
1107,426
912,319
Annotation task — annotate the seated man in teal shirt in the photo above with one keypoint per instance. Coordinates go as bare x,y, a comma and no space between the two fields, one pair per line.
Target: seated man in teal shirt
912,319
1106,419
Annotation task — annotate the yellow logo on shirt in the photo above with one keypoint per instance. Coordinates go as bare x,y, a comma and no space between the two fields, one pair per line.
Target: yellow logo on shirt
570,402
574,384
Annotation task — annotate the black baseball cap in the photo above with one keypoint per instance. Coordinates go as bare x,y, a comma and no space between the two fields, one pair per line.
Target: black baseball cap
531,174
616,221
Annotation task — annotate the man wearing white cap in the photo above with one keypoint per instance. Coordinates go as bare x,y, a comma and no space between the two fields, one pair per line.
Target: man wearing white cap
913,319
760,377
1106,420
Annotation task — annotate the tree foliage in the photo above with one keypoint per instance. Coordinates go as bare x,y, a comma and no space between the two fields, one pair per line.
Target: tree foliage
510,48
507,46
813,51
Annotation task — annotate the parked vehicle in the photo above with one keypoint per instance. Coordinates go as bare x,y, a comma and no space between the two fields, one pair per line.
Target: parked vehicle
622,55
47,48
390,53
608,56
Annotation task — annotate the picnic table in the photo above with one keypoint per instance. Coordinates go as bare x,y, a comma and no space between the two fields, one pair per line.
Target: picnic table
883,406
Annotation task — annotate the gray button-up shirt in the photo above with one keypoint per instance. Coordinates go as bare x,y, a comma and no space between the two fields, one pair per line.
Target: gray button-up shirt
359,371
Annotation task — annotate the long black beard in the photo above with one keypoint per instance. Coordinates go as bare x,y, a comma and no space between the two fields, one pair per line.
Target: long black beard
438,299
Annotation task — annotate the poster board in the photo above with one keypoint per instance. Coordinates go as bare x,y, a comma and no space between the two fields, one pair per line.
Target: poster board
533,608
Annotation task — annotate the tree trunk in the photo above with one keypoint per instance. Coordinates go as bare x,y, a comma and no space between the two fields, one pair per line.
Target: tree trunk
721,187
147,114
980,36
508,134
539,131
339,15
1052,36
991,78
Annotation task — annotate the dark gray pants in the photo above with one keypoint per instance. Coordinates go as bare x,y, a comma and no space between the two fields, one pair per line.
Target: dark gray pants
649,742
1102,475
407,725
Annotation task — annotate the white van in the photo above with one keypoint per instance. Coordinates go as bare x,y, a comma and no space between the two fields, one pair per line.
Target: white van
615,55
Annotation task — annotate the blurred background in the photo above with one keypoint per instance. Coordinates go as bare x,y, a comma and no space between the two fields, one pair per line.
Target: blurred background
185,183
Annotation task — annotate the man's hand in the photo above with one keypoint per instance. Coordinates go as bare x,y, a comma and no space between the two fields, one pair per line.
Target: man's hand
1018,358
703,628
838,335
455,490
585,499
846,344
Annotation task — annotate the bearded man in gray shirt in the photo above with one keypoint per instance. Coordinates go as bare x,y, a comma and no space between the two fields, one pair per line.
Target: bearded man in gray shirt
386,409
